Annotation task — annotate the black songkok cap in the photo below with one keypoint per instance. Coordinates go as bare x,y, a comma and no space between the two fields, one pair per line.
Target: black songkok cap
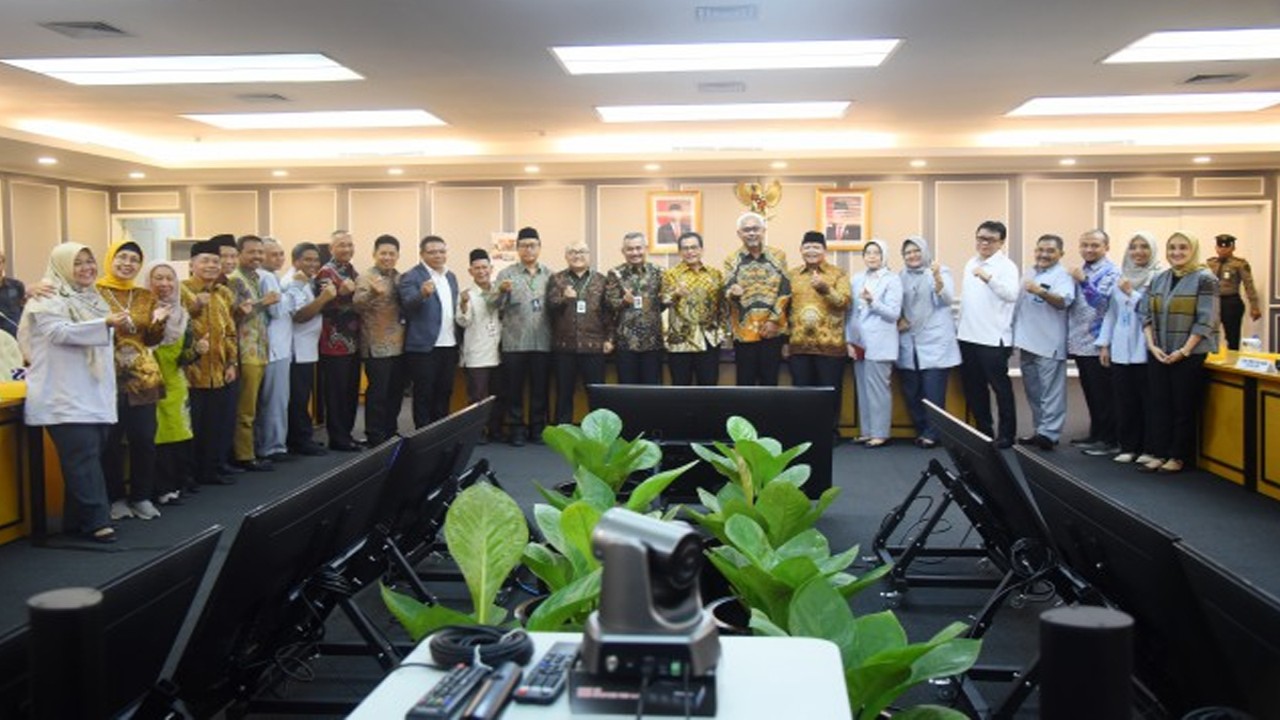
527,232
221,241
478,254
203,247
813,236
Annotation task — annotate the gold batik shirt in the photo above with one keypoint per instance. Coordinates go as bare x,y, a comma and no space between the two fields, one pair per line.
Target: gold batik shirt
213,321
817,319
766,292
695,322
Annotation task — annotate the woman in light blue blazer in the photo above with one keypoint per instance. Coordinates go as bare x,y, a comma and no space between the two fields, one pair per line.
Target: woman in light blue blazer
927,347
872,332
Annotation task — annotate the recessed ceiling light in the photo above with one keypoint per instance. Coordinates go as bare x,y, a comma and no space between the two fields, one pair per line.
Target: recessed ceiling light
1202,159
725,111
395,171
532,169
1147,104
649,144
279,173
778,164
697,57
189,69
1201,45
919,163
652,167
307,120
46,160
1067,162
137,175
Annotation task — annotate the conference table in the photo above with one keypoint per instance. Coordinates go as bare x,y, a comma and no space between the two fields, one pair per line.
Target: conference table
758,677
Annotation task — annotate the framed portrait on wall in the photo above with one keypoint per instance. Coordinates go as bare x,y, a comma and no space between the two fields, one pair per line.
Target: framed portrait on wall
845,217
672,213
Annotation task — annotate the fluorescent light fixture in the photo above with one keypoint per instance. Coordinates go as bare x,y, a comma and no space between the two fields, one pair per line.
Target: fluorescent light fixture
723,111
919,163
1171,136
1201,45
137,175
46,160
778,164
1067,162
1147,104
652,167
311,120
698,57
279,173
189,69
532,169
395,171
756,142
1202,159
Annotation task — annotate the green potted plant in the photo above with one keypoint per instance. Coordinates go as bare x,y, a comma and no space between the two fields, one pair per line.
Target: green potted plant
879,663
486,534
602,462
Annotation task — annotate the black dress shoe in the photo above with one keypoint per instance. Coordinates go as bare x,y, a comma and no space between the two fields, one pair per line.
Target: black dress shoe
1101,450
256,465
228,469
280,457
1027,440
218,480
1045,443
345,447
310,450
1003,444
1084,442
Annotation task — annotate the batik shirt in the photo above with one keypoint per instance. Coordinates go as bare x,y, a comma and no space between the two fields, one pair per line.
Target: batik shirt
695,322
525,324
381,326
255,348
340,331
817,319
766,292
215,322
639,322
137,372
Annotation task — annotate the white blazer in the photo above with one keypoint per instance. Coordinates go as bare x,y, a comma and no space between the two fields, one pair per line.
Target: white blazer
874,326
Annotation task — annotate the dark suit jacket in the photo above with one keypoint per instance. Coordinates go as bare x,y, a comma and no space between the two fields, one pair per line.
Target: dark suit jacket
851,232
422,315
668,236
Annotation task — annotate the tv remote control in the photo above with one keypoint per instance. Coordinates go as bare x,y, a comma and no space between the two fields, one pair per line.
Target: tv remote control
444,698
494,693
548,678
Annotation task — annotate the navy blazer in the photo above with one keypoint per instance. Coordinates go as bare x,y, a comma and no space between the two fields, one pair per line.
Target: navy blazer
422,315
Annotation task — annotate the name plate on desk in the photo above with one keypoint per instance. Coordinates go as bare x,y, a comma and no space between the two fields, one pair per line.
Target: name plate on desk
1255,364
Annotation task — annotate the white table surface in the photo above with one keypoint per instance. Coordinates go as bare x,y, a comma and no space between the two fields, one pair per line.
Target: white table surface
758,677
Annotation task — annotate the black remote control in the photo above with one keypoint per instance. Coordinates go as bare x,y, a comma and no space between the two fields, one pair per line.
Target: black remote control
494,694
548,678
444,698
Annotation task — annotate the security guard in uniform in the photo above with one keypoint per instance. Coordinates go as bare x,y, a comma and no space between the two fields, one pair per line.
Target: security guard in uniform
1234,274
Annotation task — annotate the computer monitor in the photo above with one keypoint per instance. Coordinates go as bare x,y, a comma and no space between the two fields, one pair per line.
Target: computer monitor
256,615
676,416
1010,514
142,611
1132,563
1244,621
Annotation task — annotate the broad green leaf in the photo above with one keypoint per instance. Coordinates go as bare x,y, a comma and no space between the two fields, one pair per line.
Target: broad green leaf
486,535
547,519
809,543
795,572
573,600
949,658
818,611
877,632
646,492
796,475
748,537
954,630
764,626
563,439
602,425
555,498
709,501
417,618
872,687
594,491
550,567
577,522
785,510
722,463
837,563
740,428
854,586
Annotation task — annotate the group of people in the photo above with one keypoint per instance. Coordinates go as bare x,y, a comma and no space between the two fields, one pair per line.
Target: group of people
212,375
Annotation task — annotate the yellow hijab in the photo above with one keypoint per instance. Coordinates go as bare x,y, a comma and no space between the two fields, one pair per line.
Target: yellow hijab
109,279
1193,263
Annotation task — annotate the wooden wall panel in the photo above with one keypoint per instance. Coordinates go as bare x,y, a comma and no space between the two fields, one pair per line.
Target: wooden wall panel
559,213
960,205
223,211
466,217
89,218
36,210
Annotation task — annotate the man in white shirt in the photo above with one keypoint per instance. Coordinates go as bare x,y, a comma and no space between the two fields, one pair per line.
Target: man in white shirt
272,421
986,332
429,302
1040,334
304,307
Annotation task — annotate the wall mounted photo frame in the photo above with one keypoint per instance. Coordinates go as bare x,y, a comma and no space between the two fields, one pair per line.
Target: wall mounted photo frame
671,213
844,215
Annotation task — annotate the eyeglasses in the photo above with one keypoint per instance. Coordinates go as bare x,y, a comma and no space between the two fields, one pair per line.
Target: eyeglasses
988,239
575,252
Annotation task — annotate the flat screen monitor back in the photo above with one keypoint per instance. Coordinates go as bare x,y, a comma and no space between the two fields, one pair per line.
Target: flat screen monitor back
254,609
143,611
1131,561
428,458
985,472
679,415
1244,621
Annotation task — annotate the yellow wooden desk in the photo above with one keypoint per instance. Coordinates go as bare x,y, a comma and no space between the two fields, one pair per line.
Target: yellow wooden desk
1236,440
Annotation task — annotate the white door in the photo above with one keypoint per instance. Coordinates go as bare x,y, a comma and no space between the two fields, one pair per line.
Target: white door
1248,220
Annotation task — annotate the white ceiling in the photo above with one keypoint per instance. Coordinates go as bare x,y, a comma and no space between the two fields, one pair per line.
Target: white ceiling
484,67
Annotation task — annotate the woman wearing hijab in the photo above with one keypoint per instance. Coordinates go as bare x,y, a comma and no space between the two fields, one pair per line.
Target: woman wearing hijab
1123,348
927,347
138,383
66,337
872,332
173,419
1180,319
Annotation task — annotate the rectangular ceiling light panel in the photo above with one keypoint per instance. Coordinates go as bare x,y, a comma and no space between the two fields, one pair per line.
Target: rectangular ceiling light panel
1202,45
312,120
605,59
1147,104
189,69
723,112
